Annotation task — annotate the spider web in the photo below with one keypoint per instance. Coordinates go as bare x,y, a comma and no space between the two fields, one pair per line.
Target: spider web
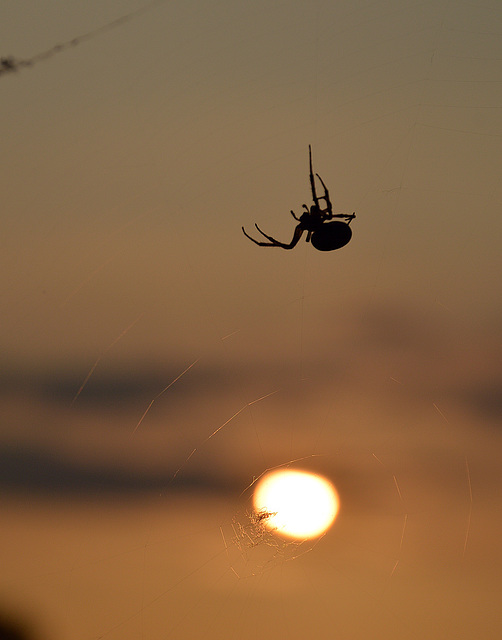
373,364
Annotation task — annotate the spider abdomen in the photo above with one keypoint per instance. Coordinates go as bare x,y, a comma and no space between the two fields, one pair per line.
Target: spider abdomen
331,236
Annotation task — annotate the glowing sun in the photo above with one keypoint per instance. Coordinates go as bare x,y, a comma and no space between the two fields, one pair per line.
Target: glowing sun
298,504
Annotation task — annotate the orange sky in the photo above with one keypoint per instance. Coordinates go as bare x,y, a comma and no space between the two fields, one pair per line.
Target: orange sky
129,164
132,160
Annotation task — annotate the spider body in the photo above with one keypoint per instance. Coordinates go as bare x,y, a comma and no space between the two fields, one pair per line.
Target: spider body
331,235
325,233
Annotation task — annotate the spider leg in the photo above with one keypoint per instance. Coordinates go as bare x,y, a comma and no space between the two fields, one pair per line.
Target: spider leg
325,197
312,180
252,239
264,234
345,216
296,236
294,215
275,243
328,212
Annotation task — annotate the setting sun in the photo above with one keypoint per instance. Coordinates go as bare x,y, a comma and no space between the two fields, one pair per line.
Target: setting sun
298,504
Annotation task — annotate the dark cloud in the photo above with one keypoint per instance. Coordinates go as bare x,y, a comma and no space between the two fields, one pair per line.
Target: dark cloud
483,398
39,472
393,326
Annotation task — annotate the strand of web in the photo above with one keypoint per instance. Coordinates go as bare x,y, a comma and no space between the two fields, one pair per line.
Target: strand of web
11,64
222,426
469,489
101,356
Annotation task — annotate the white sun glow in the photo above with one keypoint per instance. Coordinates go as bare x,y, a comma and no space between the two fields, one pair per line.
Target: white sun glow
297,504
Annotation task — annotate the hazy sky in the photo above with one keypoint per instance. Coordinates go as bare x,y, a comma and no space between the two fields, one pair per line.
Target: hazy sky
130,161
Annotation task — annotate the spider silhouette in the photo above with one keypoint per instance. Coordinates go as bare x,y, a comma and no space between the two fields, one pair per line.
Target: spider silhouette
324,235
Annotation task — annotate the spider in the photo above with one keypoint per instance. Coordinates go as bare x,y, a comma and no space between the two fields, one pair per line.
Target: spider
324,235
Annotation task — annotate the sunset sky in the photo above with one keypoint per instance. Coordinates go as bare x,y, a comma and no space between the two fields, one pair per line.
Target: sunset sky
130,161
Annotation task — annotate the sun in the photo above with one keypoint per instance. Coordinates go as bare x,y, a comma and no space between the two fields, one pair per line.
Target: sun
298,504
